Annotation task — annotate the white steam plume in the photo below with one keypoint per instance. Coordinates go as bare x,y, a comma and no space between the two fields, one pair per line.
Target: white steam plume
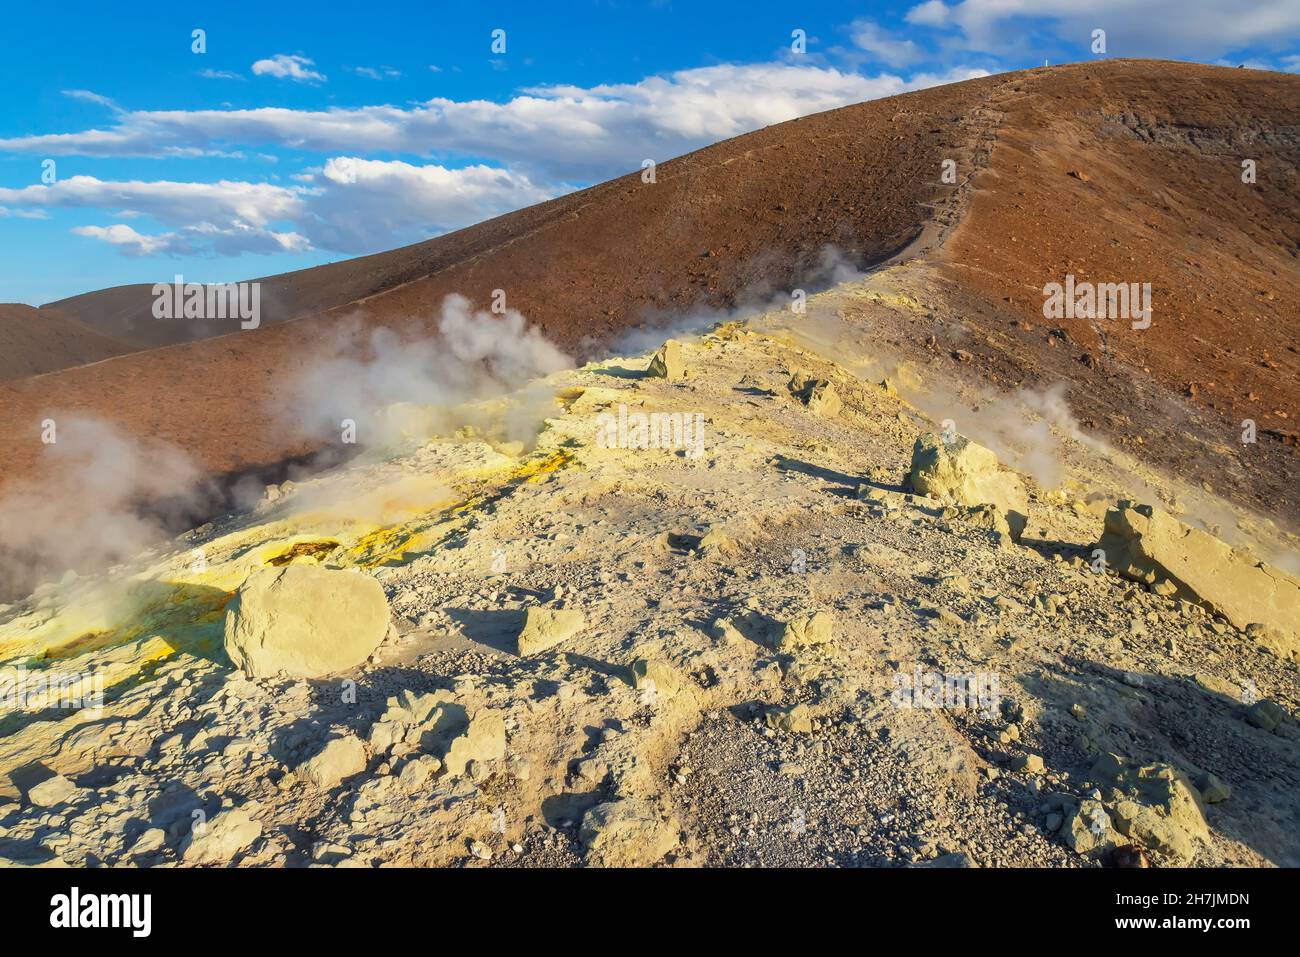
98,496
394,387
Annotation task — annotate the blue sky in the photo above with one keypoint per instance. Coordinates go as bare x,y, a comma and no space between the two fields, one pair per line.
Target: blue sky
314,133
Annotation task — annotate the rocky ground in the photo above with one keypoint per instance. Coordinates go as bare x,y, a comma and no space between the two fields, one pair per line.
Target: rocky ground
721,652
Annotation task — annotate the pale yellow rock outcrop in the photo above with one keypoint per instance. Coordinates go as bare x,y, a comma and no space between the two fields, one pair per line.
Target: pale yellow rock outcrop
341,758
218,840
962,472
1148,545
546,627
626,833
305,621
807,631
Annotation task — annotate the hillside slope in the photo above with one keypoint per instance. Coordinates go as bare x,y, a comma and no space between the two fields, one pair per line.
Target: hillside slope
743,217
1112,171
34,341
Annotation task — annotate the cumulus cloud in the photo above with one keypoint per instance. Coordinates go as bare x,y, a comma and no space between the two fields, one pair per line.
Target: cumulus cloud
544,142
287,66
1176,28
882,46
554,133
350,205
359,205
171,203
129,241
232,240
932,13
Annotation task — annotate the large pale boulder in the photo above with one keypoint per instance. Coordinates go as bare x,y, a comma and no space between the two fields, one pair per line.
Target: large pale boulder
546,627
818,395
1156,805
1151,546
217,841
961,472
626,833
305,621
341,758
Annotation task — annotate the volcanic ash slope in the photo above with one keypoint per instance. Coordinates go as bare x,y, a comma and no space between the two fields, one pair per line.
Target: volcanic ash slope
735,638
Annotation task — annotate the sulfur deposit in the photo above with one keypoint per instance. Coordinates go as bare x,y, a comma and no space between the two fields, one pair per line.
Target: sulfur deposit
840,635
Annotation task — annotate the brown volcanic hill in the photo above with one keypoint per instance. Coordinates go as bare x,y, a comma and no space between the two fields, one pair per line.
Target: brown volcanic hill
1157,146
761,206
1132,172
756,211
33,341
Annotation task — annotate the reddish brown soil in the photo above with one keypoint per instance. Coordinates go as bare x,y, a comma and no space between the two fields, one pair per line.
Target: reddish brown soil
1158,144
750,214
1159,148
33,341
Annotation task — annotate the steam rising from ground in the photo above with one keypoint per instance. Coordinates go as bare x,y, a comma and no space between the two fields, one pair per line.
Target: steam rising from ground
832,267
395,388
1024,429
83,507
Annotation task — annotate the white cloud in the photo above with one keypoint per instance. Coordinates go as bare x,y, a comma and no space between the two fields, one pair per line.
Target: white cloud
89,96
543,141
377,73
171,203
359,205
129,241
351,205
1175,28
554,133
883,47
932,13
220,75
289,67
202,239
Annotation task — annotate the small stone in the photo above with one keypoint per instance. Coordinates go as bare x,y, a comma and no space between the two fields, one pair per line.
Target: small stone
341,758
1027,763
818,395
53,791
1213,790
546,627
667,362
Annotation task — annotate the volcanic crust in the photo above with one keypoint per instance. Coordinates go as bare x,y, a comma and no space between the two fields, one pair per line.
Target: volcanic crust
758,646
